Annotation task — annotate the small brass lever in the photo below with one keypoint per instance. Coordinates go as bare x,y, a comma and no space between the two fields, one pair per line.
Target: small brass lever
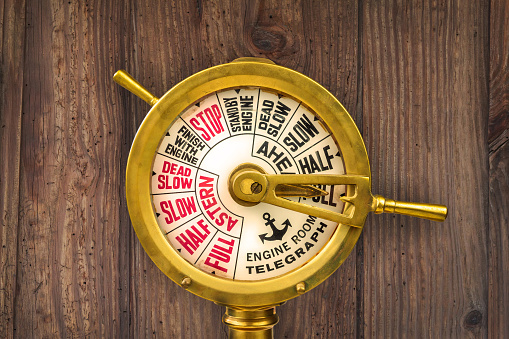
125,80
420,210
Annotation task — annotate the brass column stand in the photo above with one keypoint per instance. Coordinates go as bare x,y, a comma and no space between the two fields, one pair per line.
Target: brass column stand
251,322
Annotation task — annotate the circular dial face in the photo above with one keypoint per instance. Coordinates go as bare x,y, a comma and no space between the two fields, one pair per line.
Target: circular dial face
252,128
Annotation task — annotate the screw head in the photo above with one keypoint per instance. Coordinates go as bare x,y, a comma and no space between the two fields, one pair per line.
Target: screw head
256,187
301,287
186,282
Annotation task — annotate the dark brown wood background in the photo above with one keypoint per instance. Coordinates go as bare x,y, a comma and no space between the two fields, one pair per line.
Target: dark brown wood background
426,82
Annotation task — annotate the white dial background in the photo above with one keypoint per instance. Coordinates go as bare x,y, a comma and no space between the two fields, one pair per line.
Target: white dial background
190,183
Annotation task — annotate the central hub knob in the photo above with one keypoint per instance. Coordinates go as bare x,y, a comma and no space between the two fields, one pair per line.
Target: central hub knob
246,186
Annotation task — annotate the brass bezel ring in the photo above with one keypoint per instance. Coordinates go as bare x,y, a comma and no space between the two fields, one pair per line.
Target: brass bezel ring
244,72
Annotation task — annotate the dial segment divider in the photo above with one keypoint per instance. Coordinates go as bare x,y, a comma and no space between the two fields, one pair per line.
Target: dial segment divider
313,145
218,230
224,115
179,226
192,129
206,246
289,120
262,137
256,121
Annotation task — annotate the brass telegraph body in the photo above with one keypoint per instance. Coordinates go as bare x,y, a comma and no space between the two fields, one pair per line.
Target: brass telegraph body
248,184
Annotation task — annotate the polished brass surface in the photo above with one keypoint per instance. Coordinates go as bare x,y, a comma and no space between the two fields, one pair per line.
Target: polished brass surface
186,282
246,314
267,192
125,80
301,287
241,73
254,59
251,323
306,191
242,168
282,190
420,210
360,196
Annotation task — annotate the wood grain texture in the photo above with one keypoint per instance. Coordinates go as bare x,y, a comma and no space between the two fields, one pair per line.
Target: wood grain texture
70,266
498,245
168,47
425,123
498,241
12,41
419,78
499,77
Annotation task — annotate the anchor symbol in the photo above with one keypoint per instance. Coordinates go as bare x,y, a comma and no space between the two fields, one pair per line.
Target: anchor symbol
277,234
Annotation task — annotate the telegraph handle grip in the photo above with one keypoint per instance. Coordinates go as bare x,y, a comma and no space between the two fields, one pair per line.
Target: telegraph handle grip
125,80
425,211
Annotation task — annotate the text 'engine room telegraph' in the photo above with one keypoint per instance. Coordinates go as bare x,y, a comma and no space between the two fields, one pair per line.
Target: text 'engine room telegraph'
248,184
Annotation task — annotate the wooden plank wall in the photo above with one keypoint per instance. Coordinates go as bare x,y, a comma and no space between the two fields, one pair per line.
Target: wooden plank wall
426,82
498,137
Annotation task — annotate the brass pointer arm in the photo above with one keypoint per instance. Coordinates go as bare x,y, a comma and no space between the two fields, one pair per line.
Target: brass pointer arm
305,191
266,185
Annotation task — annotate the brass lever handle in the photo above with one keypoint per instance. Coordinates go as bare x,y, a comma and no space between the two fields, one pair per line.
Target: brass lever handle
266,184
426,211
266,191
125,80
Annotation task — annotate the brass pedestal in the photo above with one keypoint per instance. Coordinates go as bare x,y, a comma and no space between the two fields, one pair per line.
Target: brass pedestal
251,323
